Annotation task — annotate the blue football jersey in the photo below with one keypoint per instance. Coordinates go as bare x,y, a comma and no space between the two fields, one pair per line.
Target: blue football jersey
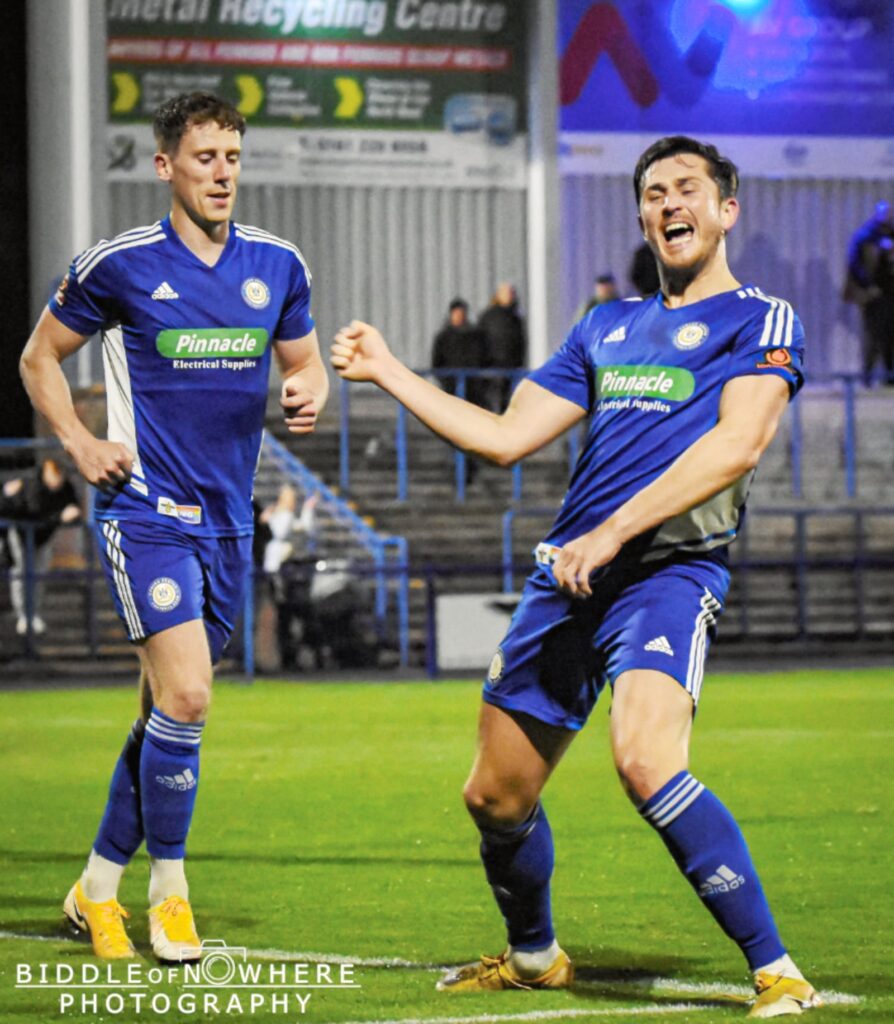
651,378
186,351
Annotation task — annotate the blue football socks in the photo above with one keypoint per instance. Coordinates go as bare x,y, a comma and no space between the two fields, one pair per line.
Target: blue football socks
169,776
121,829
519,864
710,850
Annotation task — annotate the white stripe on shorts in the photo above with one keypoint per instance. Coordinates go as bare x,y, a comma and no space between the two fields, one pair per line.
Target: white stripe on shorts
122,581
695,672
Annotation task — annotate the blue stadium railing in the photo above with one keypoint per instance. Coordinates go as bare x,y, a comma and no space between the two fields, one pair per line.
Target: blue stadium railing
847,387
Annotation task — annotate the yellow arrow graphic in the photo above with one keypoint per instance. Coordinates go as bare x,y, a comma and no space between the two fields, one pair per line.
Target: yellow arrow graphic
350,97
127,92
251,95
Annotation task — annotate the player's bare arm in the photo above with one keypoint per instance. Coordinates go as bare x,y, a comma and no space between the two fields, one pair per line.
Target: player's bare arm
534,417
305,385
104,464
750,410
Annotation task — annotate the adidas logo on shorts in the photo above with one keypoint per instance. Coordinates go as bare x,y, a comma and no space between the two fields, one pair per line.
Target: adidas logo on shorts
660,643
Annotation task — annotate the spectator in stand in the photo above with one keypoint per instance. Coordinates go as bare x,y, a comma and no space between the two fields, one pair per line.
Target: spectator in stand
605,289
460,345
40,500
644,271
870,284
505,339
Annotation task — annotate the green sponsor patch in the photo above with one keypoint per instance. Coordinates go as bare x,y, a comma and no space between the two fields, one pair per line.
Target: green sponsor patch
669,382
196,343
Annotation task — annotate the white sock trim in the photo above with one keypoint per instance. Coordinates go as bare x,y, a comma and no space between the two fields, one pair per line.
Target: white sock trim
101,878
531,963
166,878
784,966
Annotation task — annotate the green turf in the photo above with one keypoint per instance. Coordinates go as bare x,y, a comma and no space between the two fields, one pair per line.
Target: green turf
330,821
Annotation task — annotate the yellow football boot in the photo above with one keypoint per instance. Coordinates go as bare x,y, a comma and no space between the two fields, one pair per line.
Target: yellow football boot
778,996
491,973
102,922
172,931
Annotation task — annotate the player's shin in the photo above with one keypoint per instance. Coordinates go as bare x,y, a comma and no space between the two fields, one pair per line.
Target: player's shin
710,850
169,776
121,830
519,862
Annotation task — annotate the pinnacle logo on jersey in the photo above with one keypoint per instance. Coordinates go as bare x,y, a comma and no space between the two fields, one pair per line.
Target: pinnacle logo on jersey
164,594
255,293
723,880
660,644
690,335
182,781
185,513
672,383
165,291
776,358
618,334
196,343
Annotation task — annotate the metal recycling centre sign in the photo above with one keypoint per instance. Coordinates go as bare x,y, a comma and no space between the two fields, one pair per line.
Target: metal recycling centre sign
399,92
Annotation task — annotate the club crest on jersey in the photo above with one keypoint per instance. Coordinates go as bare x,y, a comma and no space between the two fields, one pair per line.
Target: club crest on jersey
164,594
690,335
497,665
255,293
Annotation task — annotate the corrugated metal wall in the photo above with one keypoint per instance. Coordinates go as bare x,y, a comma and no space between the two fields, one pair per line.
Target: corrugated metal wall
790,240
392,256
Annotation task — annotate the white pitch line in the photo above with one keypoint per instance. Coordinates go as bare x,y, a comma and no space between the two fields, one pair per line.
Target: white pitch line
494,1018
645,985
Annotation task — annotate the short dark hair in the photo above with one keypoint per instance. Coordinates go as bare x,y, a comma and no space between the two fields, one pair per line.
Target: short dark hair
177,115
459,304
723,170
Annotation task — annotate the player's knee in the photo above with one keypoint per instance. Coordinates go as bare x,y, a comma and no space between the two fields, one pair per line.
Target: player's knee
187,703
638,771
492,806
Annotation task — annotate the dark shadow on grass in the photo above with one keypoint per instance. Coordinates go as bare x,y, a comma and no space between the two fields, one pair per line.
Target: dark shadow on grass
41,857
280,860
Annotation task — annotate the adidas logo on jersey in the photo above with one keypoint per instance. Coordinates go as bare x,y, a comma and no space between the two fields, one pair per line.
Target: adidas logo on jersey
165,291
723,880
180,782
618,334
660,643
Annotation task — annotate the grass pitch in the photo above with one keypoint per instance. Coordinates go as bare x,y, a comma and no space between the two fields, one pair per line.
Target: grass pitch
330,822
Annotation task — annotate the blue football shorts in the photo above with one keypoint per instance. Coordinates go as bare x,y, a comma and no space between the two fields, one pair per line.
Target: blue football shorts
560,651
160,576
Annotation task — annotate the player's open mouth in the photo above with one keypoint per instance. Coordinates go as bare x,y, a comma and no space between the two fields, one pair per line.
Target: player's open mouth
678,234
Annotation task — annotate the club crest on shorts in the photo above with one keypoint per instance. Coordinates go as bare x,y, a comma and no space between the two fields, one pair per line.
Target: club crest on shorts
164,594
690,335
255,293
497,665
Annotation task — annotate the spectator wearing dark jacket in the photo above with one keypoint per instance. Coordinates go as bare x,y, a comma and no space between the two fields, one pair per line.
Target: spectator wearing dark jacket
460,345
505,339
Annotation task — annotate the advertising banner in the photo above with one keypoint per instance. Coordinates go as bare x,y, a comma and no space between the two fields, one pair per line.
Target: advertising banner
800,88
401,92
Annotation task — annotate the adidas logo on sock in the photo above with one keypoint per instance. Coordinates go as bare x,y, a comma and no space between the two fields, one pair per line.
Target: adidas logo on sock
165,291
619,334
723,880
181,781
660,643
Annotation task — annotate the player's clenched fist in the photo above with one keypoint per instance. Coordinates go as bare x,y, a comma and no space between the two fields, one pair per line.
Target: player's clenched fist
299,405
359,352
104,464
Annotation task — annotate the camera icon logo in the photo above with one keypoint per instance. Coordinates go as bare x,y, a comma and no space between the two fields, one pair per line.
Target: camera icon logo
218,961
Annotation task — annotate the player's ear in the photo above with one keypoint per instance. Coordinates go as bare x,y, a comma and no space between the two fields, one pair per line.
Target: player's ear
162,166
642,229
729,212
